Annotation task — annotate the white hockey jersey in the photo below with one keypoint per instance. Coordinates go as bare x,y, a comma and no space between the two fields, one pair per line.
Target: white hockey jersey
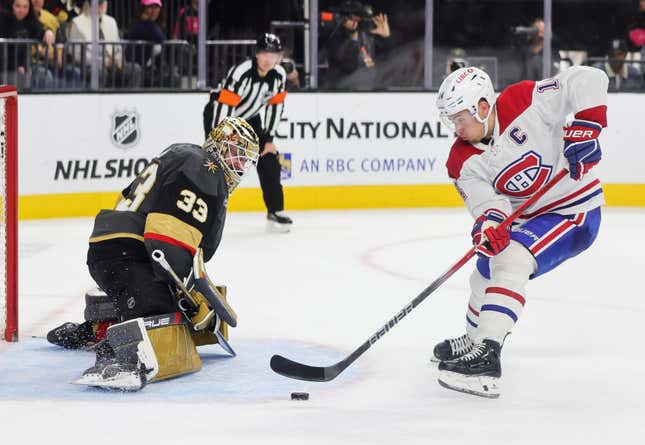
527,147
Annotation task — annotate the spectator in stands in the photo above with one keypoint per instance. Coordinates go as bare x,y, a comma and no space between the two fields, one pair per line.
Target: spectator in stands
22,23
622,76
112,72
352,48
636,31
149,22
46,18
51,55
187,24
59,9
533,50
187,28
149,26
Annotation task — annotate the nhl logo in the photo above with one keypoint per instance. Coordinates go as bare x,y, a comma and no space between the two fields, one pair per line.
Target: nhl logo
125,129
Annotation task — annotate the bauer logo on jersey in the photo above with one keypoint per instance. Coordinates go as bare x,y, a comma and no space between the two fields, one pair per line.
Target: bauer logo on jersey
125,129
285,166
524,176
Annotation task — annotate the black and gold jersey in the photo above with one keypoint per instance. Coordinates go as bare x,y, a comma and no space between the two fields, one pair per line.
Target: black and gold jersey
178,204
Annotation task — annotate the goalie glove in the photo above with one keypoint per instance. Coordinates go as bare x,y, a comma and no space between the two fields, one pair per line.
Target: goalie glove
204,315
581,147
489,239
200,284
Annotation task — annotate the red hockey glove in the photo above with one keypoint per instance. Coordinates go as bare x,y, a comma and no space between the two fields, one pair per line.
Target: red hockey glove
490,239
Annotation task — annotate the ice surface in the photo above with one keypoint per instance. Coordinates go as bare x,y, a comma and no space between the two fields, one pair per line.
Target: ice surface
573,368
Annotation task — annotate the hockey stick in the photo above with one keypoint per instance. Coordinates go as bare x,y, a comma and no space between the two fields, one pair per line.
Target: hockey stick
160,258
295,370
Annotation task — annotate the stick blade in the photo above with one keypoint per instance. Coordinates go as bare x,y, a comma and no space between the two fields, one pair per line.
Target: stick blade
299,371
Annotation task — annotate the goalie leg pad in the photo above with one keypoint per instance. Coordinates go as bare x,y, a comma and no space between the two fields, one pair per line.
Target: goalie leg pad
173,345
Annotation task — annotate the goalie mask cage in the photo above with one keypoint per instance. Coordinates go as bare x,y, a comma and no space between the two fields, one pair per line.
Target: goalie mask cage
9,213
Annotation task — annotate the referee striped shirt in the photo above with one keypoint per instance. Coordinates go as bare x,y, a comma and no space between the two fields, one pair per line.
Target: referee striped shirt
243,93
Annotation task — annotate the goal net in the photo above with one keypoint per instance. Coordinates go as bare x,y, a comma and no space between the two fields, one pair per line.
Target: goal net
8,213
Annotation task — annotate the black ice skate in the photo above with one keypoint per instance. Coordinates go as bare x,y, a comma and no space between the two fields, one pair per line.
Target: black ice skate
73,335
278,222
477,372
452,348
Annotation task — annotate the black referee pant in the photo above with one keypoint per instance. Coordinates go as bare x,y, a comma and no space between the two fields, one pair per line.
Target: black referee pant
269,174
268,171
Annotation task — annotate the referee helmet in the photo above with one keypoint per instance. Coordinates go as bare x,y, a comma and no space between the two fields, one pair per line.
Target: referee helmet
268,42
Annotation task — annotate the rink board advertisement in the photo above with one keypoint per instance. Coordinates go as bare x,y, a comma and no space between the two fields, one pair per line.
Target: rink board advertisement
337,150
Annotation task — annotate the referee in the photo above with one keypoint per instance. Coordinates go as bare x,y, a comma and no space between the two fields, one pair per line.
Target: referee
255,90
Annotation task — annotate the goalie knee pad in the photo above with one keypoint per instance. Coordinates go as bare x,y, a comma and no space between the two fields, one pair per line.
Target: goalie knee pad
99,306
100,313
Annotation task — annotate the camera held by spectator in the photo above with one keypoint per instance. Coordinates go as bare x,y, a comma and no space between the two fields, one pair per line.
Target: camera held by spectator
525,30
293,80
532,49
355,11
352,46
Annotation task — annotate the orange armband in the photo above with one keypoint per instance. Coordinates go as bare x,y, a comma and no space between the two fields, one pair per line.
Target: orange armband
278,98
228,97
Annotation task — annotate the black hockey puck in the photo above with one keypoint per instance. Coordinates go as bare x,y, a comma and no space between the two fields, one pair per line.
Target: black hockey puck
299,396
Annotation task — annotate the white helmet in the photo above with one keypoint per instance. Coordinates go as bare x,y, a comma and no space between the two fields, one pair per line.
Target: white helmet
462,90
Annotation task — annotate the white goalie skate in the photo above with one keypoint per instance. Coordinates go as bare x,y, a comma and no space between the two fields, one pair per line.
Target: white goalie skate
126,360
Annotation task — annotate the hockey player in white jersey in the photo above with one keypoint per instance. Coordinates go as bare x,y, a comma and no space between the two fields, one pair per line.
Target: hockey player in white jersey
507,148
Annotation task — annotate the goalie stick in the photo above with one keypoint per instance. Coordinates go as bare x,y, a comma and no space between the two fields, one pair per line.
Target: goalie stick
301,371
160,258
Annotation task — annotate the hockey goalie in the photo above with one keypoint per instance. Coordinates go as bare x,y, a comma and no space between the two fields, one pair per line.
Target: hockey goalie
156,303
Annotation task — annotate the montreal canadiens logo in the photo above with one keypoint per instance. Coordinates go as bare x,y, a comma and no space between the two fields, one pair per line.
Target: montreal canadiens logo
524,176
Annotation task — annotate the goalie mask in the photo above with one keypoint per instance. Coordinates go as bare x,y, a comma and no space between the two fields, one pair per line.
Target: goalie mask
462,90
234,142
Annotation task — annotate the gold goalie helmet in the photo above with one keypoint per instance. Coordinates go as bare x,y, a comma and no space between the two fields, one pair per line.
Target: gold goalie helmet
234,142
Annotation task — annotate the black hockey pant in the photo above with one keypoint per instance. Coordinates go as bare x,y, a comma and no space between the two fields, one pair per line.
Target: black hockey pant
133,287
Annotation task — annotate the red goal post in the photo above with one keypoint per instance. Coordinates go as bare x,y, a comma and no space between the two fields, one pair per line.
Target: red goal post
9,213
